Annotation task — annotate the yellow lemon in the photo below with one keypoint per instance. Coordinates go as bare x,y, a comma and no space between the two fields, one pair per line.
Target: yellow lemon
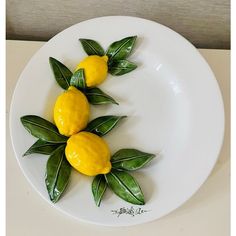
95,69
71,112
88,154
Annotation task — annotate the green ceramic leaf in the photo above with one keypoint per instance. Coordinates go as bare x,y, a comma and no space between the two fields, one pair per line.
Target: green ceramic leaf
92,47
96,96
42,147
57,174
104,124
99,186
121,67
125,186
121,49
42,129
130,159
61,73
77,80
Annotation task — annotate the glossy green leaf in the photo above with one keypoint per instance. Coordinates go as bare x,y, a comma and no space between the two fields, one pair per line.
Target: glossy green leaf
104,124
77,79
99,186
121,49
121,67
125,186
130,159
42,147
96,96
61,73
92,47
57,173
42,129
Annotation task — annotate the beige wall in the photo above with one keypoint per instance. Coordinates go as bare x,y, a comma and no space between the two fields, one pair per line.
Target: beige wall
206,23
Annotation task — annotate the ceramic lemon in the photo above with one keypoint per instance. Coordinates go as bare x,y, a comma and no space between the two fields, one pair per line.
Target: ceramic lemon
88,154
71,112
95,69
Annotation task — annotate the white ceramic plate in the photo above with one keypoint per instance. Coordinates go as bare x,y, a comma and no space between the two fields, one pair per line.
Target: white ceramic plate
174,107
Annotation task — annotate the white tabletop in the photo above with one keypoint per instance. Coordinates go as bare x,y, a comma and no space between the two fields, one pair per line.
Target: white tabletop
207,213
